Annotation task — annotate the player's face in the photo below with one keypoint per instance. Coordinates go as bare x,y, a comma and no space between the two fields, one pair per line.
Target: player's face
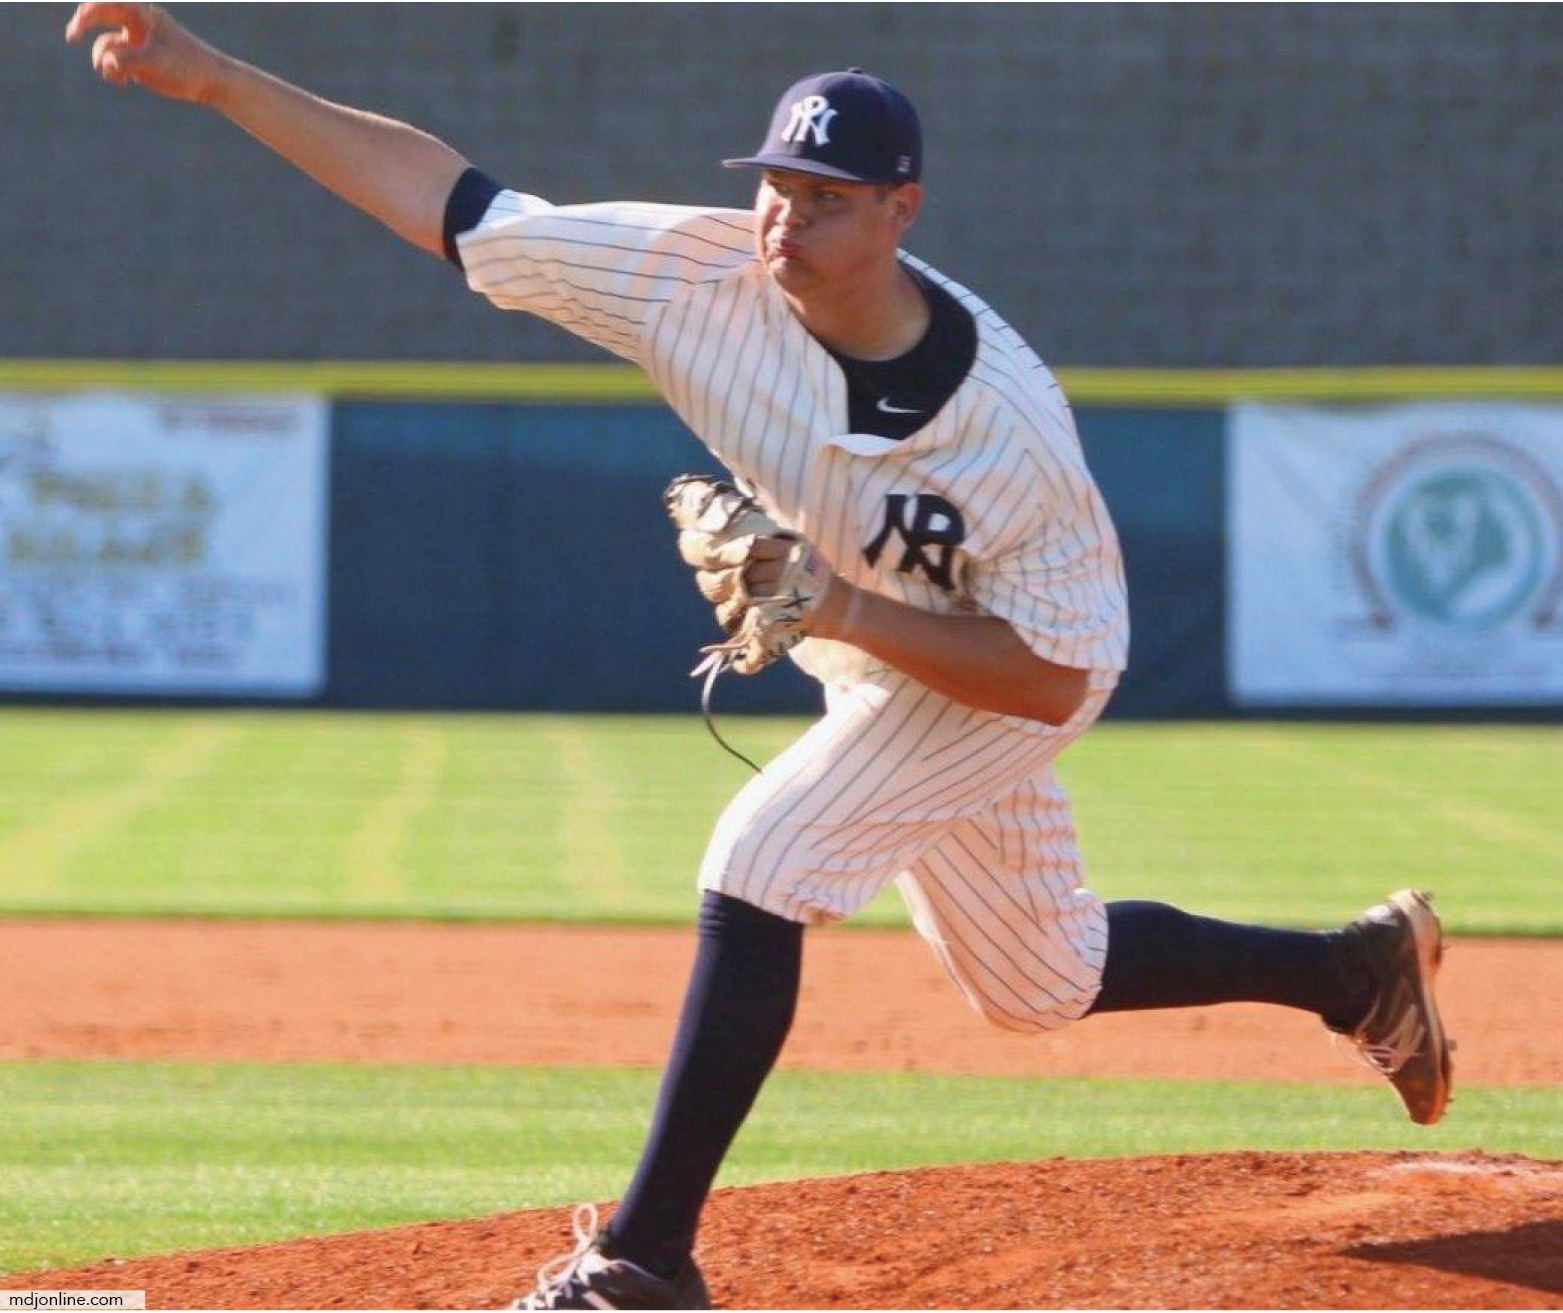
815,234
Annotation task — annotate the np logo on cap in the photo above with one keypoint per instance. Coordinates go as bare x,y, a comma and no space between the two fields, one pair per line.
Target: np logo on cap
848,125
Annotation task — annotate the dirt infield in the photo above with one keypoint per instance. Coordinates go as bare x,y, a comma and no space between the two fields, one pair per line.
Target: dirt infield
521,995
1237,1230
1218,1231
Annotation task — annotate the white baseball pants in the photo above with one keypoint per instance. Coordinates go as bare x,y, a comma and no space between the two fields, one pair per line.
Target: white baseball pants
962,810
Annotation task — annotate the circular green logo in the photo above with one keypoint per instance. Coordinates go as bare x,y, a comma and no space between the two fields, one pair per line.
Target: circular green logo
1462,545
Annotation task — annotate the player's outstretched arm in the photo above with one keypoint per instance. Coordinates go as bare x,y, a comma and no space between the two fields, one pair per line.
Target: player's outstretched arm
395,172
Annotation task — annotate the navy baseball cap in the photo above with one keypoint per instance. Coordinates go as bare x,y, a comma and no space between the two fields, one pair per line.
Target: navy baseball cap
843,125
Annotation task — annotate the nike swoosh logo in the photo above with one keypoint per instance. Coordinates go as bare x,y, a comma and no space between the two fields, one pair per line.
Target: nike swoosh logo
884,405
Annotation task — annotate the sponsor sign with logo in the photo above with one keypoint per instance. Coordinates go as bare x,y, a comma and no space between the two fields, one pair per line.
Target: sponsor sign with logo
1408,554
162,545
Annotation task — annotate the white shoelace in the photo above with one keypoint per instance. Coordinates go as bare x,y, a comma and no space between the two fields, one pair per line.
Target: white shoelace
583,1222
1398,1048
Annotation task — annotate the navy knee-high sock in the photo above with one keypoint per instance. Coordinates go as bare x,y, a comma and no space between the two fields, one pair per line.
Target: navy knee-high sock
742,995
1160,957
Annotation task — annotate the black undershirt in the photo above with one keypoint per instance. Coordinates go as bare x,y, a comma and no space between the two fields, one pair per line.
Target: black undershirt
890,398
895,398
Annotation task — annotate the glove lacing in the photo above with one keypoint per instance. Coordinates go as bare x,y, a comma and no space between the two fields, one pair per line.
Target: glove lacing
717,658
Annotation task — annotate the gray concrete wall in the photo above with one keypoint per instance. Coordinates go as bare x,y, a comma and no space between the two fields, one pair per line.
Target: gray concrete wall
1131,185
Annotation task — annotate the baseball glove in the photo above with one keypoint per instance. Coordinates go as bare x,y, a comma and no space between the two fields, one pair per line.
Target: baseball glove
718,527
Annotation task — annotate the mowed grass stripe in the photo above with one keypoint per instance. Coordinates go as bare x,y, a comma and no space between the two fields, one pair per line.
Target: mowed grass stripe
604,818
121,1159
1461,812
49,841
266,827
594,855
374,865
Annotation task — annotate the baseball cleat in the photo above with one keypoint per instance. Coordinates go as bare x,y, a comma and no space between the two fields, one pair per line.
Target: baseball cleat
1402,1037
592,1276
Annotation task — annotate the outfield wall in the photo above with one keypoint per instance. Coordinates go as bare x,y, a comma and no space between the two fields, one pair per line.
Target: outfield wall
518,556
505,548
1153,184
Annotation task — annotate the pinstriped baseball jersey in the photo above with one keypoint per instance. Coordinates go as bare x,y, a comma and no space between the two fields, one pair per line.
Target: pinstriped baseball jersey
987,508
984,506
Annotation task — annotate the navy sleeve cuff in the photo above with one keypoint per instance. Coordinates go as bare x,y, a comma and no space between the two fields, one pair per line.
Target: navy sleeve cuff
469,200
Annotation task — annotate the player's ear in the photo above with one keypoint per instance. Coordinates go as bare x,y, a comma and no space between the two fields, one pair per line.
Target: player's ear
906,203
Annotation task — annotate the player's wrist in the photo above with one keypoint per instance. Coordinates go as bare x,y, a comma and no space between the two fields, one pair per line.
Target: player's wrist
218,84
840,614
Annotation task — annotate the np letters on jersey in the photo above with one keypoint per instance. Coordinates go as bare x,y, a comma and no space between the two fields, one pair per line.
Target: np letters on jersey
921,521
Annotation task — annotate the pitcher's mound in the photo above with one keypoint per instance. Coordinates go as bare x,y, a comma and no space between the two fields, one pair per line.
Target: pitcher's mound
1208,1231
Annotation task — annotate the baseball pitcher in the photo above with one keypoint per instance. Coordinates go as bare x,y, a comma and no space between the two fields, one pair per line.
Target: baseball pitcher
906,513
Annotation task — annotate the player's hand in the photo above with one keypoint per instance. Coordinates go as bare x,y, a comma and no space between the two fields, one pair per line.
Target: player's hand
765,582
143,45
761,574
767,561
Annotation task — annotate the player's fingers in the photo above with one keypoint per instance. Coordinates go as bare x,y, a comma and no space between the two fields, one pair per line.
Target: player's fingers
699,551
134,20
763,576
771,549
83,21
102,54
730,614
113,59
718,585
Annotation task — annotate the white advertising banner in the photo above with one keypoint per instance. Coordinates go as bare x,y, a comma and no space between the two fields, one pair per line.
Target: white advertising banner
1408,554
162,544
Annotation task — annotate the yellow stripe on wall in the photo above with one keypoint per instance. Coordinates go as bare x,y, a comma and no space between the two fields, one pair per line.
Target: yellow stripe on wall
1219,387
346,379
599,384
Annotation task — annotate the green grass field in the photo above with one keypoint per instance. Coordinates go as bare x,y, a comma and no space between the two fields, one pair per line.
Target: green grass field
121,1159
604,818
